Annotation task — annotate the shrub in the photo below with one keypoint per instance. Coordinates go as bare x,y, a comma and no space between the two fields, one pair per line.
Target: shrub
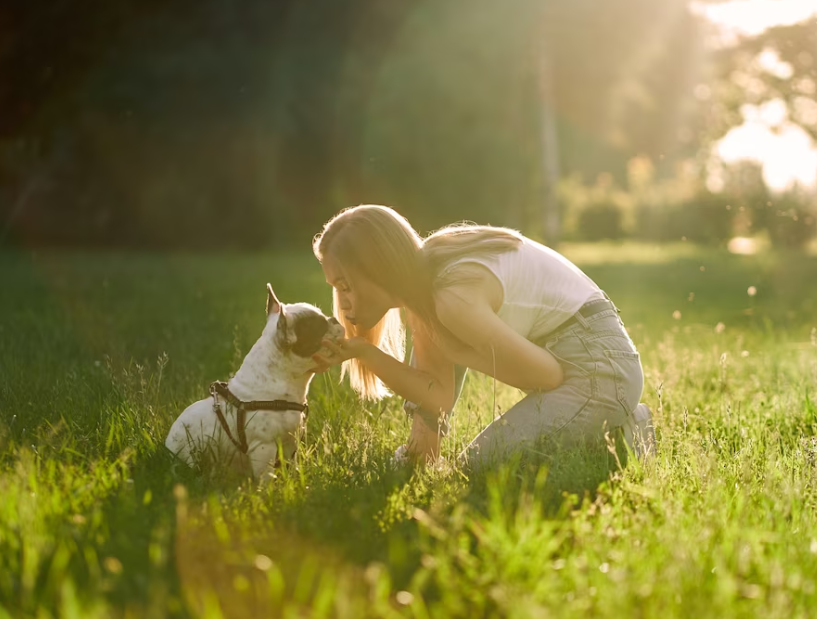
790,220
600,221
706,218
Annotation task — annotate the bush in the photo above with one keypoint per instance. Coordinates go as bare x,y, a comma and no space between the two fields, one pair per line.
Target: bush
706,218
790,220
600,221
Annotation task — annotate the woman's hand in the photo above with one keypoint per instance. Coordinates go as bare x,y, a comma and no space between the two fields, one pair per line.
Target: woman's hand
424,442
335,352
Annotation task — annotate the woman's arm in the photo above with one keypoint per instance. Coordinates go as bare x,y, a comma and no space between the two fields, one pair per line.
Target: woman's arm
430,385
429,389
497,349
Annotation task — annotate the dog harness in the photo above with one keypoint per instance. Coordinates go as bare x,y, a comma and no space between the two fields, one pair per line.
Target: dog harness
219,388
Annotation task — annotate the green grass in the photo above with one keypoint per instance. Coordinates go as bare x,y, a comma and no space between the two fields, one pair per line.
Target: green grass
99,353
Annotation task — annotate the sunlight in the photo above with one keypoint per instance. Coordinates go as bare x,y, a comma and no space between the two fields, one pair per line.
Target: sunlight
785,150
742,245
751,17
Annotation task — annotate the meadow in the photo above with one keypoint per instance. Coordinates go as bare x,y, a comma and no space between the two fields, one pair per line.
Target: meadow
100,351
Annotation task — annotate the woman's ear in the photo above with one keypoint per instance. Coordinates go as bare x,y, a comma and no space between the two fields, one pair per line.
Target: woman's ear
274,306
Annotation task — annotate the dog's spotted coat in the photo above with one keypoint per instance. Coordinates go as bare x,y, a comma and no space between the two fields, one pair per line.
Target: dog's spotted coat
278,367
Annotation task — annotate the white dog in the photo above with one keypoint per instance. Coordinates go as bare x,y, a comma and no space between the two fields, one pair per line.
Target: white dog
264,404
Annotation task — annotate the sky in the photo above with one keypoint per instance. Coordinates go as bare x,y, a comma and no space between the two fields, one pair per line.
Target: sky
787,152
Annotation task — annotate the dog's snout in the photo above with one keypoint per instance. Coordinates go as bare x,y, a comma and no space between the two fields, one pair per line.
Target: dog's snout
333,321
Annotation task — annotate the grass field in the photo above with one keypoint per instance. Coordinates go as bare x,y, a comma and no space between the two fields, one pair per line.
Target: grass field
99,352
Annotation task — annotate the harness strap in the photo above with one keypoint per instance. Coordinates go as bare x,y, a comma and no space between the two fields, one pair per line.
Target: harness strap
242,444
219,388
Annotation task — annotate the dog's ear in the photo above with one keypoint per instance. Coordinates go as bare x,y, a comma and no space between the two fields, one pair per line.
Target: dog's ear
274,306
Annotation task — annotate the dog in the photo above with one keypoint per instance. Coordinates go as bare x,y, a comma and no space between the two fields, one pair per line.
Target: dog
263,407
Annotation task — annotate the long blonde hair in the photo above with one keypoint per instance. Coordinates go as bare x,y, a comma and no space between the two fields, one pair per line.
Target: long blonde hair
380,244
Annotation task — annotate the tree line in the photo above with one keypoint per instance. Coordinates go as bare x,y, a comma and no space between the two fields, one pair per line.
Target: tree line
205,123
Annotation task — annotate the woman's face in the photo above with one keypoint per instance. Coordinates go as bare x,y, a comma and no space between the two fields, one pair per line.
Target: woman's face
362,302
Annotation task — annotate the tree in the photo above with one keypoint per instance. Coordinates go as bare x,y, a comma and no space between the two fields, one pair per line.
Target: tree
208,122
778,64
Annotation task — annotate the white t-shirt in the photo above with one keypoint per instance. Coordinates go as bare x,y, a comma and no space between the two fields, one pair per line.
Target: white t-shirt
542,288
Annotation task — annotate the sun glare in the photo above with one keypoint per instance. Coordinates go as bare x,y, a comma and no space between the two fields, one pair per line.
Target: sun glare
751,17
786,152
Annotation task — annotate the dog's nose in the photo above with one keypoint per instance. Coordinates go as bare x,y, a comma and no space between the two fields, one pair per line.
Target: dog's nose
333,321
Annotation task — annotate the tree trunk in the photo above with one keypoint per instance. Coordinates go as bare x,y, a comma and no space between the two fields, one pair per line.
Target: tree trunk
551,212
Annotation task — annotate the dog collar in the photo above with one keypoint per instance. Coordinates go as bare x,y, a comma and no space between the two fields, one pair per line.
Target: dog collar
220,388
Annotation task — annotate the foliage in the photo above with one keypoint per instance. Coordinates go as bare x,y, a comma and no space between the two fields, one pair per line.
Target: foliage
595,212
101,351
706,218
666,209
776,65
600,221
787,218
214,124
791,219
680,208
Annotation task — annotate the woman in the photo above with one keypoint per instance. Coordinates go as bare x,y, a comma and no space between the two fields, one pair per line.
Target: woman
484,298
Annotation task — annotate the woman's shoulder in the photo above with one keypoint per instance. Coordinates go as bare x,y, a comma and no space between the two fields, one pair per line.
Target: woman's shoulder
466,284
467,268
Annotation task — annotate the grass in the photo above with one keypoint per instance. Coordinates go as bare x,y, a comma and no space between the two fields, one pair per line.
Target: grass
99,352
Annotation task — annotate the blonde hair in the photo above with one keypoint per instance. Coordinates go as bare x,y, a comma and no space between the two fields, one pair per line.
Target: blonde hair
380,244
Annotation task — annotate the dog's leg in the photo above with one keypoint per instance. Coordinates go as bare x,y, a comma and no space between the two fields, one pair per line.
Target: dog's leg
262,459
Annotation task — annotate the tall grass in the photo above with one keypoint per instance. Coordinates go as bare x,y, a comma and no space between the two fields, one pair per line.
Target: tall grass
101,351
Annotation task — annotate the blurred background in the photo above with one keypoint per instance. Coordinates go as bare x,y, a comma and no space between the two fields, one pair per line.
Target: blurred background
208,124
